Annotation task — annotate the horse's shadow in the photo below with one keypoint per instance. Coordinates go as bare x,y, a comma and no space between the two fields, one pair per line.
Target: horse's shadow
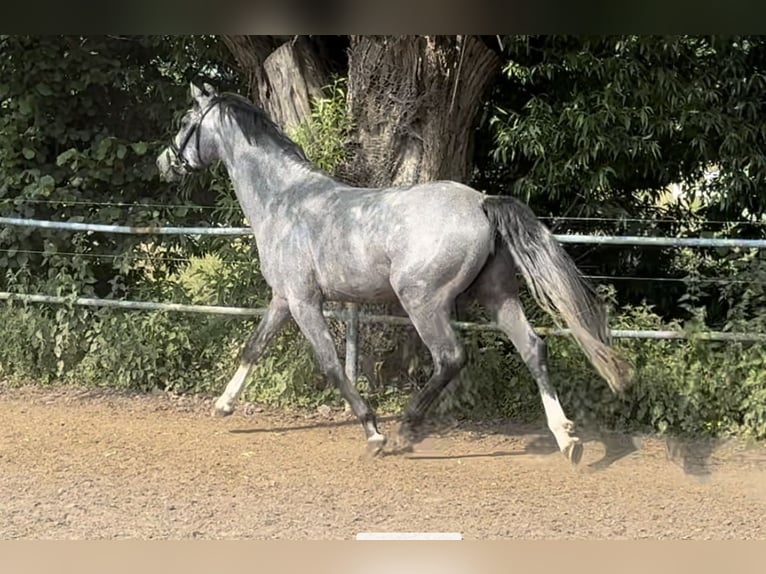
692,456
616,447
334,423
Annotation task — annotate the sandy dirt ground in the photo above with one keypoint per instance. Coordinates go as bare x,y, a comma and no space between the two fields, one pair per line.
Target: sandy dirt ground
78,464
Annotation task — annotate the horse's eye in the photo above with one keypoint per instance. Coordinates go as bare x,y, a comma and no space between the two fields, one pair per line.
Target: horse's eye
184,120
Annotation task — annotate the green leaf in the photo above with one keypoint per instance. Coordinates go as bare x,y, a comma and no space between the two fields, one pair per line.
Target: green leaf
44,90
28,153
139,148
121,151
47,184
24,107
103,148
64,157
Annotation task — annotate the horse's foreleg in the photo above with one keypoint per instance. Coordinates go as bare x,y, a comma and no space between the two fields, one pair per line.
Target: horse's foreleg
276,316
309,317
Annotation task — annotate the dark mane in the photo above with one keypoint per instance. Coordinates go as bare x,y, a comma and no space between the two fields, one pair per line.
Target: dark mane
255,124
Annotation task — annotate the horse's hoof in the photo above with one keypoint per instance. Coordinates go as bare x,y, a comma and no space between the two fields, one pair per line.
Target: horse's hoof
221,412
375,445
573,452
402,444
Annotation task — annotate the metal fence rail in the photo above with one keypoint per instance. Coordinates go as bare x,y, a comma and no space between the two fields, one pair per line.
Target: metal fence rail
124,229
353,317
351,314
638,240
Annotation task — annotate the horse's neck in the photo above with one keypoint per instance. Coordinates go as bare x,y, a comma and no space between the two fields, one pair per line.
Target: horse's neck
265,179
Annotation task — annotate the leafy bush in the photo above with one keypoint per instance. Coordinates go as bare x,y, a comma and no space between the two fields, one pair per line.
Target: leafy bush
690,387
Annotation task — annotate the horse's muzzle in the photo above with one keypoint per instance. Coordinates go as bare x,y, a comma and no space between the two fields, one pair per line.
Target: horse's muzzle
169,169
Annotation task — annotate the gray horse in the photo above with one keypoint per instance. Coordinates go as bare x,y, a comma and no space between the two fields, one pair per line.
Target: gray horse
424,246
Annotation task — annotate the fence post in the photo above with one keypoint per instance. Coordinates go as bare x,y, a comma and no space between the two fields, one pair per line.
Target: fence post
352,345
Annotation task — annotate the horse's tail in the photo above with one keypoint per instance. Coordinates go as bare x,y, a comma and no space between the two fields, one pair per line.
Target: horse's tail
556,284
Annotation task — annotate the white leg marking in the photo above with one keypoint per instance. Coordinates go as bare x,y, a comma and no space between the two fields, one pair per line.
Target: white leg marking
375,444
225,403
558,423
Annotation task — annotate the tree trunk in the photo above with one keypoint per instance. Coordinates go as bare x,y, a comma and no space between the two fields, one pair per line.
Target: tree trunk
284,72
415,102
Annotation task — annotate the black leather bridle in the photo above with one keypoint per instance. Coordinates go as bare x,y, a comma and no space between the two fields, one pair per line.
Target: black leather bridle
178,150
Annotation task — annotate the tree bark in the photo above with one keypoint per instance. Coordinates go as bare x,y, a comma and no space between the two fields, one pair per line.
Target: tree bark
285,73
415,102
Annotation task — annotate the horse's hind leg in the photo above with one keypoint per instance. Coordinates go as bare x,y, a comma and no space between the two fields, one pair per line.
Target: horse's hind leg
276,316
433,326
533,350
310,319
499,295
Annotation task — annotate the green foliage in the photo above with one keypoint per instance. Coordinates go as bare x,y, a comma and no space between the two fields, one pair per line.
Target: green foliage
600,126
601,118
324,136
82,119
145,351
115,349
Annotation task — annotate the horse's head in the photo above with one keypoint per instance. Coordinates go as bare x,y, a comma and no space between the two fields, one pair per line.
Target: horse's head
193,146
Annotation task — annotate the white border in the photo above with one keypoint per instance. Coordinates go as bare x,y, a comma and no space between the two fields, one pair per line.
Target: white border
409,536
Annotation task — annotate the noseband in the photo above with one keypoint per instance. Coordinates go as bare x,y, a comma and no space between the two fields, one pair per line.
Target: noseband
178,150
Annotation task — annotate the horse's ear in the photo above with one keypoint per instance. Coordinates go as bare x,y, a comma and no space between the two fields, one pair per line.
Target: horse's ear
201,91
210,90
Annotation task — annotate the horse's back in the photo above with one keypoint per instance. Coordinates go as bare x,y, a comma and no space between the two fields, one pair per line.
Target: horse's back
366,243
